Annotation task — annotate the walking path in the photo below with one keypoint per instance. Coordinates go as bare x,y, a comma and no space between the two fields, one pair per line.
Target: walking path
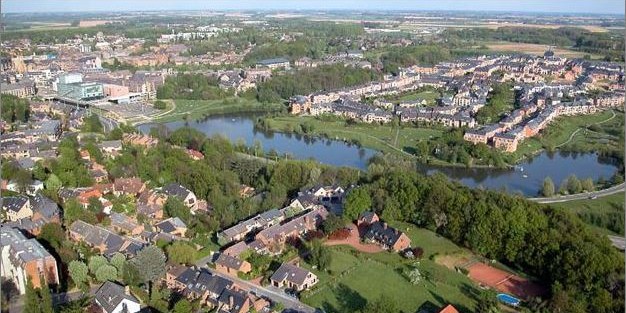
581,128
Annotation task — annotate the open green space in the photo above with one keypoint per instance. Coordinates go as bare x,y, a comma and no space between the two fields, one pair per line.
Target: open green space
387,138
355,277
604,214
428,95
194,109
570,132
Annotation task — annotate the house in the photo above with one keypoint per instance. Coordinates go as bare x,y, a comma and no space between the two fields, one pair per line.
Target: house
231,265
103,239
26,259
367,218
16,208
233,301
246,191
45,209
275,236
290,276
273,63
242,229
173,226
449,309
111,148
114,298
124,224
386,236
185,195
128,186
195,154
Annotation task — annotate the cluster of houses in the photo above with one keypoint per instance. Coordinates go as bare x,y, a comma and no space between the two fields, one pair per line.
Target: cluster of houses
546,87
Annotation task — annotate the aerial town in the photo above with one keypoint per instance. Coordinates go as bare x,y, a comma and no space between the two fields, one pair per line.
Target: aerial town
312,161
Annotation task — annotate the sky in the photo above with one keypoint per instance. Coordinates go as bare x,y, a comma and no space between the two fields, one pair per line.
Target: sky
549,6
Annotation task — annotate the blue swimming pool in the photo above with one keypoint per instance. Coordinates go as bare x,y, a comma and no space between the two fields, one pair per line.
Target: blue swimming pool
508,299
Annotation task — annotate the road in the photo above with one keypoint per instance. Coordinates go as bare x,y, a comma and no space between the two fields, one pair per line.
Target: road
618,242
274,294
581,196
16,306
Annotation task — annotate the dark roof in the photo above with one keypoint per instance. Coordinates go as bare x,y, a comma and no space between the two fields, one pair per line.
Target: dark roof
170,225
13,203
272,61
174,189
110,295
45,206
383,234
238,298
228,261
367,216
291,273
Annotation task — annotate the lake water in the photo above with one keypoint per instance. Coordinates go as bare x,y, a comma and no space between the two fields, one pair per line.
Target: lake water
526,178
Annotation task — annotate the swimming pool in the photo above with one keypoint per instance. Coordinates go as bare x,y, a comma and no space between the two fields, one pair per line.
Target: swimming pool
508,299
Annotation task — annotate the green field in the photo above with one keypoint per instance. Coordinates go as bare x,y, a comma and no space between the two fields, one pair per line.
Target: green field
559,131
604,214
428,95
355,277
386,138
195,109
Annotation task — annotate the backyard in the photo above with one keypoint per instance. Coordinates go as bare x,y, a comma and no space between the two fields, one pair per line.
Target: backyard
348,283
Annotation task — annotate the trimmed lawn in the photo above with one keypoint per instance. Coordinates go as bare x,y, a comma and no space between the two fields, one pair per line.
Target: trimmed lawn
386,138
429,96
199,108
355,277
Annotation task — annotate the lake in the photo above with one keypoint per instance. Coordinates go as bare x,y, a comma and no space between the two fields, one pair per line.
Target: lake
526,178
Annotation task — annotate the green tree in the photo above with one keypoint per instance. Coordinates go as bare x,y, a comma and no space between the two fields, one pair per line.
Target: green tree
181,253
160,105
384,304
547,190
45,296
588,185
131,275
151,261
95,262
53,183
52,234
573,184
118,260
78,272
487,303
106,272
357,202
183,306
332,223
31,299
319,255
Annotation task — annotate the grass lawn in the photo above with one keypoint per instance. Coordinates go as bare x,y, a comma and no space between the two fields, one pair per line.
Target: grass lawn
428,95
355,277
199,108
559,131
599,210
386,138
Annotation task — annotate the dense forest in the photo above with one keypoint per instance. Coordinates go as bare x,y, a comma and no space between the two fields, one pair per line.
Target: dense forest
14,109
406,56
306,81
607,44
191,87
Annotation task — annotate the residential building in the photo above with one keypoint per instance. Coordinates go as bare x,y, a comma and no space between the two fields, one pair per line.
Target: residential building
290,276
26,259
274,63
173,226
185,195
231,265
16,208
386,236
114,298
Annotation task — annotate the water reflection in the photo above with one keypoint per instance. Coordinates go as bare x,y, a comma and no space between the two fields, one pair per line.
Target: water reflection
526,178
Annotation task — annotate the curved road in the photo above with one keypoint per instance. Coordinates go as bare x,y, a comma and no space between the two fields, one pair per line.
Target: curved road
581,196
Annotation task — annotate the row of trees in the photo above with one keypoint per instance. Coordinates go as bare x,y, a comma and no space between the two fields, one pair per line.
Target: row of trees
570,185
582,269
191,87
306,81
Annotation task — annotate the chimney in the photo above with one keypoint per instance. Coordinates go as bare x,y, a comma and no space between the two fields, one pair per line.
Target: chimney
384,225
127,290
231,302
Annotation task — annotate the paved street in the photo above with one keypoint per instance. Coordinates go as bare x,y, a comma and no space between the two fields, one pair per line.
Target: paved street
274,294
618,242
581,196
16,306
